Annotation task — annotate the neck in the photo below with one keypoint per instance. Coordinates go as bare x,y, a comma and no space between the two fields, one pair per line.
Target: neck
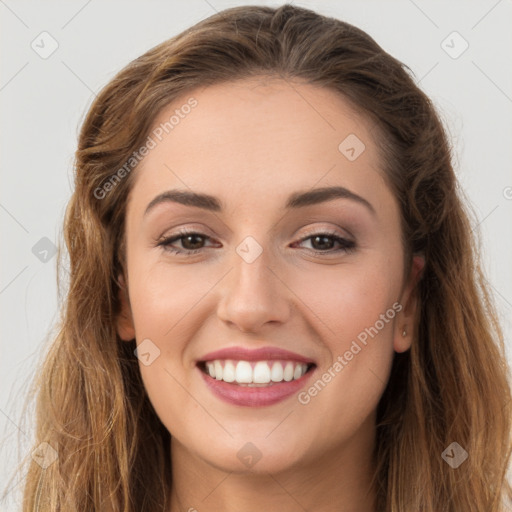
339,480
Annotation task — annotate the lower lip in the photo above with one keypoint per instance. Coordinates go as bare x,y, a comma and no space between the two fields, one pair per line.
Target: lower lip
254,396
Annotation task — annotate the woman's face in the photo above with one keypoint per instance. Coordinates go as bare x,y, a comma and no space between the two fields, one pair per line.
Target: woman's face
280,275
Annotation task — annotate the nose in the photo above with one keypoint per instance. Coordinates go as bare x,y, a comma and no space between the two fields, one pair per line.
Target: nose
254,294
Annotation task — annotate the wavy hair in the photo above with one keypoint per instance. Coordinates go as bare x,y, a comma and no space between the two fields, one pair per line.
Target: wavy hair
452,385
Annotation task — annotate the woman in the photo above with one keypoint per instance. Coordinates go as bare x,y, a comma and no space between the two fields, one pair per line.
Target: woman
275,299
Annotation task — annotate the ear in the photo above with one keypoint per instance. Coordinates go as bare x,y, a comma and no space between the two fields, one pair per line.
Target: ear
124,321
404,326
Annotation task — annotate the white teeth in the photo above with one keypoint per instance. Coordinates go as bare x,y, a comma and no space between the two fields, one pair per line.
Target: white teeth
218,370
256,373
261,373
243,373
228,375
288,372
277,372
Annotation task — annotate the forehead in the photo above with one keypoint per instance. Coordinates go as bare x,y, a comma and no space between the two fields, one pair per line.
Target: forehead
258,140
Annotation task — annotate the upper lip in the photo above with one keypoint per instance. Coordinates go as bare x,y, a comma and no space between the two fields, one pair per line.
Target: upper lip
258,354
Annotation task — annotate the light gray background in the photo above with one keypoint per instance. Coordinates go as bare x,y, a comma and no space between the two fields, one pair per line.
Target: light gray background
43,102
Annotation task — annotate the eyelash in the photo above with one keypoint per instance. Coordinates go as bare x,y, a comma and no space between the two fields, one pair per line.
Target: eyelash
347,245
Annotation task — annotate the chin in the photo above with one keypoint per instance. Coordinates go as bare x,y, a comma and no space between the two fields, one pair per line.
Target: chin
252,460
259,456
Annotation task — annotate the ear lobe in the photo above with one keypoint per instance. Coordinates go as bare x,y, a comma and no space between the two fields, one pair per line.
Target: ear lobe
124,321
404,327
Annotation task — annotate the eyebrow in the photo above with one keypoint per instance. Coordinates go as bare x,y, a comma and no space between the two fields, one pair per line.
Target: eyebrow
299,199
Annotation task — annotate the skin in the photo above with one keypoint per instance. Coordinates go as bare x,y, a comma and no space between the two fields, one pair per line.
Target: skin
252,143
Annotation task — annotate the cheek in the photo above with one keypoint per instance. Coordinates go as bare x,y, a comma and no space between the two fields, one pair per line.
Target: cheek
354,310
163,296
167,305
348,299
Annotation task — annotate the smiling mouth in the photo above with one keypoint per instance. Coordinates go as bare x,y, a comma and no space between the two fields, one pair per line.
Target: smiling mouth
263,373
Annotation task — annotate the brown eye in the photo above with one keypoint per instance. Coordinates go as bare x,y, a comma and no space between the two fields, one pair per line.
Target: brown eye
191,242
324,242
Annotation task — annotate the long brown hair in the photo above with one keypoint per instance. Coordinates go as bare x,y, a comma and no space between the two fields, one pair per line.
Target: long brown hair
451,386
